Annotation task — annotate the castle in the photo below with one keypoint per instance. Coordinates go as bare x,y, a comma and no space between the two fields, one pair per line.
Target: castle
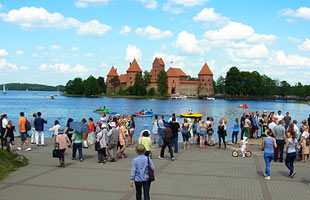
177,79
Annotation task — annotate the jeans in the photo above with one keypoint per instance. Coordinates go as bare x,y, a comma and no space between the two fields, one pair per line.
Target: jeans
222,137
234,135
79,147
163,147
41,135
242,132
289,161
280,145
268,158
175,143
102,155
146,190
160,135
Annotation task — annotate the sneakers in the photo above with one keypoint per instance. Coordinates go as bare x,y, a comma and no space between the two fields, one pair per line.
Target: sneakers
172,158
81,160
267,178
28,149
293,174
160,157
265,175
19,149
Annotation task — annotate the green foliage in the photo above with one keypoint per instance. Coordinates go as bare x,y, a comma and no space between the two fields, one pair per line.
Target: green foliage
139,87
75,87
9,162
146,78
32,87
102,85
189,78
219,85
162,83
151,92
115,82
91,86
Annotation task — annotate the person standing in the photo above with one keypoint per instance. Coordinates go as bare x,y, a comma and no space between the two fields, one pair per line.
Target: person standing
242,123
210,132
39,127
101,138
131,126
167,142
268,145
185,129
103,118
9,135
175,128
279,117
161,127
55,128
85,135
235,132
255,127
147,142
69,131
121,139
202,134
280,137
247,126
33,129
304,143
155,128
222,133
113,140
91,128
140,173
62,142
4,123
287,120
23,132
291,146
77,145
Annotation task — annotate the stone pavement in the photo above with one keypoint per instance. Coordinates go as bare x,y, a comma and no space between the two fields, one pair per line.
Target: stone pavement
195,174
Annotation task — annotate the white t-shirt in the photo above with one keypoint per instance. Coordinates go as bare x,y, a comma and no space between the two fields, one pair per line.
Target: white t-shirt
247,122
4,122
279,117
272,125
292,145
296,129
54,129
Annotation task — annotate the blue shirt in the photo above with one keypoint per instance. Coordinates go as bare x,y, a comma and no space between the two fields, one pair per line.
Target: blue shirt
139,169
269,145
161,124
236,127
255,121
39,124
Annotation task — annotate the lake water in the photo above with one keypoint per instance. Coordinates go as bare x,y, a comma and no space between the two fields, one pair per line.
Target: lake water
61,108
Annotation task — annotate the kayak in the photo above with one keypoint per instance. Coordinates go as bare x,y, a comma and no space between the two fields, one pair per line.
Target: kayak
243,106
141,114
102,110
191,115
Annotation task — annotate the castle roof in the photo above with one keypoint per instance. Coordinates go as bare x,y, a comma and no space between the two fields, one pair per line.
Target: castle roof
112,72
134,67
205,70
159,60
123,78
175,72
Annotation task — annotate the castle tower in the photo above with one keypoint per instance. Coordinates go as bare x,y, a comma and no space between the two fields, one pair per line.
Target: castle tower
112,73
158,65
133,69
205,81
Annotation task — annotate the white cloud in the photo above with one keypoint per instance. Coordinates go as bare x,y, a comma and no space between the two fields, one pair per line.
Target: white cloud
31,18
170,8
188,3
261,38
89,55
302,13
254,52
40,48
293,39
188,44
7,66
151,4
3,53
153,33
1,6
125,31
19,52
290,21
86,3
104,65
55,47
93,27
64,68
74,49
305,46
279,58
169,58
132,52
208,15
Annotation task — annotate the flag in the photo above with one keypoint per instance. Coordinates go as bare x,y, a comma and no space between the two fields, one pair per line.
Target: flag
171,62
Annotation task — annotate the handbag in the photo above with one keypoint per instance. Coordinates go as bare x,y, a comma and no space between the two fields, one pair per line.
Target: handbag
56,153
97,144
151,172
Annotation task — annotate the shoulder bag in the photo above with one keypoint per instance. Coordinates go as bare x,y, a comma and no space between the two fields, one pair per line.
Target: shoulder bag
56,152
151,172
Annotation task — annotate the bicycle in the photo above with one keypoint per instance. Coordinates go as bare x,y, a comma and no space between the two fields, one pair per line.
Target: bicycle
236,153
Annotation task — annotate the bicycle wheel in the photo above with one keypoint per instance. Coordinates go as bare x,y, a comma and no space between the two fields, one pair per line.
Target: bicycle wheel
248,154
235,153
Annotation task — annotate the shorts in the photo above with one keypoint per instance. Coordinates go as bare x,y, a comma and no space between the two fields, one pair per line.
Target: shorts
202,133
255,127
131,131
210,132
185,137
23,136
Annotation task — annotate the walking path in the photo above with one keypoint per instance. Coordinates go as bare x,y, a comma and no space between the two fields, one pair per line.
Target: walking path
195,174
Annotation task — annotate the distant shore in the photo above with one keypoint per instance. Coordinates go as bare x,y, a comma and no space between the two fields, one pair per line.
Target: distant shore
119,96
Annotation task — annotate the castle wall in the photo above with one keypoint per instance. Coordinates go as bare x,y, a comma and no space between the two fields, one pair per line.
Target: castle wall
206,85
188,89
130,78
173,85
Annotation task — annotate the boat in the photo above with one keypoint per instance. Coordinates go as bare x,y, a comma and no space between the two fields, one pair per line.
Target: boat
52,97
102,110
3,91
143,114
210,98
243,106
191,115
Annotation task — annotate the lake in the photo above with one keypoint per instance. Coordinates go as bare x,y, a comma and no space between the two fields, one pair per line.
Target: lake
61,108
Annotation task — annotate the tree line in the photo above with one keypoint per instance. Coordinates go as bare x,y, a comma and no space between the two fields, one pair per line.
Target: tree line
32,87
88,87
244,83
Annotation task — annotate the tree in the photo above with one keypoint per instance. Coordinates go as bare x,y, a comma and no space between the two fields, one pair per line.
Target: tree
75,87
151,92
232,81
102,85
284,88
189,78
146,78
162,83
115,82
91,86
139,87
220,85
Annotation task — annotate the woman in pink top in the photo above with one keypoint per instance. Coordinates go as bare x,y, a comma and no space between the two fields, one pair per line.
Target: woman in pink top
62,141
121,139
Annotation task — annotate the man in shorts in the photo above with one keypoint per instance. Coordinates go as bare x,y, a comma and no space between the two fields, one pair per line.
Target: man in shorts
23,132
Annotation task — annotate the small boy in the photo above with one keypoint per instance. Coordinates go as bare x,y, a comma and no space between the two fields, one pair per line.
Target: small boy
244,145
147,142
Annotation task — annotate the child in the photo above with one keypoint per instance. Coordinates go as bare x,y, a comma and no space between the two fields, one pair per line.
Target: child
101,138
62,142
244,145
147,142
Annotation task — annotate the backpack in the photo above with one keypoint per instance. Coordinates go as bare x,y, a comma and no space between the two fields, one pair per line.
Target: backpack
28,125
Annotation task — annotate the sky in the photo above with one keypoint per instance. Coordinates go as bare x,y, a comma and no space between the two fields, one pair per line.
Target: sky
53,41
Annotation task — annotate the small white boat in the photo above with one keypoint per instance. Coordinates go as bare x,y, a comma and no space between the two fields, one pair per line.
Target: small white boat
3,91
210,98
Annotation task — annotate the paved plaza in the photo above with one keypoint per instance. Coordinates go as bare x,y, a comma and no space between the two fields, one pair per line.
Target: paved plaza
195,174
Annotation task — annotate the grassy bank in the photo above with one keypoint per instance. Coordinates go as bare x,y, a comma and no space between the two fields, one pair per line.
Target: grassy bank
119,96
9,162
302,102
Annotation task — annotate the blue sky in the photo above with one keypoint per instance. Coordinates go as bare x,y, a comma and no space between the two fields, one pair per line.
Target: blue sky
52,41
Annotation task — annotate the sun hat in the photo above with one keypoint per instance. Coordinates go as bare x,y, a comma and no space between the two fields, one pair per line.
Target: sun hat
189,120
103,126
60,130
140,149
112,124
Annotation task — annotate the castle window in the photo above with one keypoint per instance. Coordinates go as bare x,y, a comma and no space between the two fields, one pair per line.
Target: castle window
203,80
130,78
130,82
173,81
205,84
210,84
208,79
